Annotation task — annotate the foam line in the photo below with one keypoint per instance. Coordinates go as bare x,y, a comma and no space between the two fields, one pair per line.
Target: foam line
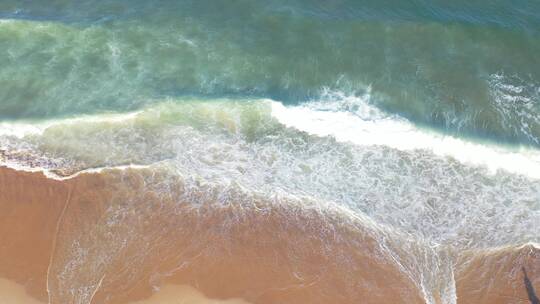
377,129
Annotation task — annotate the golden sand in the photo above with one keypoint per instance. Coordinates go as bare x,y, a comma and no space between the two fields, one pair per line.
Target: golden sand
13,293
496,276
105,238
183,294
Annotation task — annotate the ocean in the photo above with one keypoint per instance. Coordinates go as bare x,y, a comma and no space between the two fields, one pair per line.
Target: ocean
271,151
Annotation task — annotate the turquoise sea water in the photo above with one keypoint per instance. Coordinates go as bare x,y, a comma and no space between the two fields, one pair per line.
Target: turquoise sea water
470,69
422,116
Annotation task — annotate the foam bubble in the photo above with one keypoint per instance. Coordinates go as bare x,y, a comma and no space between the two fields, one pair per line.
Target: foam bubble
369,126
382,174
19,130
26,128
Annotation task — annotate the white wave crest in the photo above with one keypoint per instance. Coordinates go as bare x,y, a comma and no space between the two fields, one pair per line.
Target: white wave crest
353,119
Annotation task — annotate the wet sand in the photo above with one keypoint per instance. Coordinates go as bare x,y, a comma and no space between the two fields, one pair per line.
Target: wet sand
14,293
114,236
496,276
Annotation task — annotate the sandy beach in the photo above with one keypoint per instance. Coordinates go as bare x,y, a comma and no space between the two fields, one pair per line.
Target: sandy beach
267,257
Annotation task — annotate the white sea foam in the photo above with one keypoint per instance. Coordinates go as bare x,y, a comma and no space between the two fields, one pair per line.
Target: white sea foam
26,128
6,21
353,119
20,129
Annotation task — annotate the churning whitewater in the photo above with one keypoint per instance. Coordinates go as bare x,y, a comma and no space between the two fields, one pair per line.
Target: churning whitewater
269,152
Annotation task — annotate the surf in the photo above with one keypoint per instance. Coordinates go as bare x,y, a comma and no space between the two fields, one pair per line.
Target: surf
269,152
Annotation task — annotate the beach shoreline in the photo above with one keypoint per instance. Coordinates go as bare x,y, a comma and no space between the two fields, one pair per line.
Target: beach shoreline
40,218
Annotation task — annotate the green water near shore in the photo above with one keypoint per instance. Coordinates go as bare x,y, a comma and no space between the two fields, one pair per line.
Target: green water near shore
468,69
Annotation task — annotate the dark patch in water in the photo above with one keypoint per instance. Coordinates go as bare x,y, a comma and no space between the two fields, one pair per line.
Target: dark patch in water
530,289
